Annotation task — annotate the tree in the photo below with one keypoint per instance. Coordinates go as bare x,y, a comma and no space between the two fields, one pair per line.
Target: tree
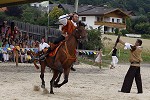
54,15
2,16
128,24
116,31
94,40
31,17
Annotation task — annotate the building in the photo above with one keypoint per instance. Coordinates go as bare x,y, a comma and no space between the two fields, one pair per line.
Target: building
108,19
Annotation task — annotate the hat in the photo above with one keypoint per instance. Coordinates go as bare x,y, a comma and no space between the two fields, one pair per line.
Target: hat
17,47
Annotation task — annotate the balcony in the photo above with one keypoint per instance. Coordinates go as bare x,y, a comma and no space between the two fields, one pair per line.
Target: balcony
111,24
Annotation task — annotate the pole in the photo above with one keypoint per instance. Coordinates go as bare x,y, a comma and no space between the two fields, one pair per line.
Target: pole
76,5
48,14
46,32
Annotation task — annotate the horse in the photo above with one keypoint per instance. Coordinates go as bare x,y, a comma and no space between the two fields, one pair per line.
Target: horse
64,58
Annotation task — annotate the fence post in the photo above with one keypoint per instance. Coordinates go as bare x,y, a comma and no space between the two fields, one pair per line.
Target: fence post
45,33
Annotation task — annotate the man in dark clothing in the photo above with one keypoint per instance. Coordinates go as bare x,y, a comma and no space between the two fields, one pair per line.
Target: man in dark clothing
134,70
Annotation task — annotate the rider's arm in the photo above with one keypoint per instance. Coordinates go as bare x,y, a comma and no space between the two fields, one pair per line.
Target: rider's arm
63,19
127,45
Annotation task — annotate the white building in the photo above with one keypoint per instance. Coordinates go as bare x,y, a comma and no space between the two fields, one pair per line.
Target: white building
108,19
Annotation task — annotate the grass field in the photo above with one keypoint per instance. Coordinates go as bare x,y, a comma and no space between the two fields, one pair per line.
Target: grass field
123,55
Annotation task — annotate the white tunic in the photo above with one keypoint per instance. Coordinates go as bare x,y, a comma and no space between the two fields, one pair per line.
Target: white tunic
43,45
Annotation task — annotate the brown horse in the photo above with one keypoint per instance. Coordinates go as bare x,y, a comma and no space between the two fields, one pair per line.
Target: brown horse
63,59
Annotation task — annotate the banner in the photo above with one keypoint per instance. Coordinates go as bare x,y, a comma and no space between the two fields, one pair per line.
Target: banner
85,52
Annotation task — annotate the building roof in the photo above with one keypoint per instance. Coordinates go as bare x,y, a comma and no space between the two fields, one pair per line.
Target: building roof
89,10
69,8
93,10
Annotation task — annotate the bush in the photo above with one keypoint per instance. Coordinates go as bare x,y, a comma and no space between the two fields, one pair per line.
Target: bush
94,40
124,32
145,36
116,31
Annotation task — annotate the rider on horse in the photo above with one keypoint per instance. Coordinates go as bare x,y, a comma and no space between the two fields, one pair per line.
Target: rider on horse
69,24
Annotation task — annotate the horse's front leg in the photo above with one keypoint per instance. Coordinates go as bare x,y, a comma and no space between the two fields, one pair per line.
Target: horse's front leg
66,75
55,75
43,82
42,73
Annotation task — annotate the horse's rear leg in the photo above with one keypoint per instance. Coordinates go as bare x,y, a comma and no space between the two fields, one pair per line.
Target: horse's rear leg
57,80
66,74
43,82
42,74
55,75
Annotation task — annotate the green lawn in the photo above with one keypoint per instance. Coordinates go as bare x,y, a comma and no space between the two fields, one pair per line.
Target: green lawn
123,55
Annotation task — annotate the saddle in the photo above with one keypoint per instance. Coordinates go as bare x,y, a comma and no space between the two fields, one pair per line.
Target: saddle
54,48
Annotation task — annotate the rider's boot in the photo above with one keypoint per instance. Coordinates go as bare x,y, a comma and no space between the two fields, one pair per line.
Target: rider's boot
46,54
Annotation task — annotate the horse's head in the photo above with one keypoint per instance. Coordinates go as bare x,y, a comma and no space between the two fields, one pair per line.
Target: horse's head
80,32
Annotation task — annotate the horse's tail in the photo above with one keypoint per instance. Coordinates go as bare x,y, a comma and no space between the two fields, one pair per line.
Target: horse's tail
34,61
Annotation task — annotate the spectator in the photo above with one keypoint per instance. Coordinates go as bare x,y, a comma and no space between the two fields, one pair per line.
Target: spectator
1,55
114,58
99,57
22,55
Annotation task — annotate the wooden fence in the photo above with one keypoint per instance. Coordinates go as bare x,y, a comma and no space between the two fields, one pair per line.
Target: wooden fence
37,31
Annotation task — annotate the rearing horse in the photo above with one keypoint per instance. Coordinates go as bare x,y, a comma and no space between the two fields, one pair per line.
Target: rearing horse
64,58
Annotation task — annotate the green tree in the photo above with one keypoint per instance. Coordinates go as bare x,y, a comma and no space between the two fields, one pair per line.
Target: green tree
30,15
128,24
2,16
142,28
94,40
54,15
116,31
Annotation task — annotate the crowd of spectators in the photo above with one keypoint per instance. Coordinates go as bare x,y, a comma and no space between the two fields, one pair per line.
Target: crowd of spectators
11,36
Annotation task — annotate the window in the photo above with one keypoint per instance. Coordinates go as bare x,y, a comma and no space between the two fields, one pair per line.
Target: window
112,30
112,19
83,19
118,20
99,19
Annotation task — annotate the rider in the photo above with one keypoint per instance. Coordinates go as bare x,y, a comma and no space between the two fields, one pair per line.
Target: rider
69,24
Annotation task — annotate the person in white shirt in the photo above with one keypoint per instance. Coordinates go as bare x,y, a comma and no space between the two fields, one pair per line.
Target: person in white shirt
42,46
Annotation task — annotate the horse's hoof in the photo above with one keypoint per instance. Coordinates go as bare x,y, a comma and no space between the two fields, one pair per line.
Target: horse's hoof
57,86
51,92
43,86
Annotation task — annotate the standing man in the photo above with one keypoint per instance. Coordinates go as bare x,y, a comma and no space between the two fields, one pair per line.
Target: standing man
69,24
43,45
134,70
